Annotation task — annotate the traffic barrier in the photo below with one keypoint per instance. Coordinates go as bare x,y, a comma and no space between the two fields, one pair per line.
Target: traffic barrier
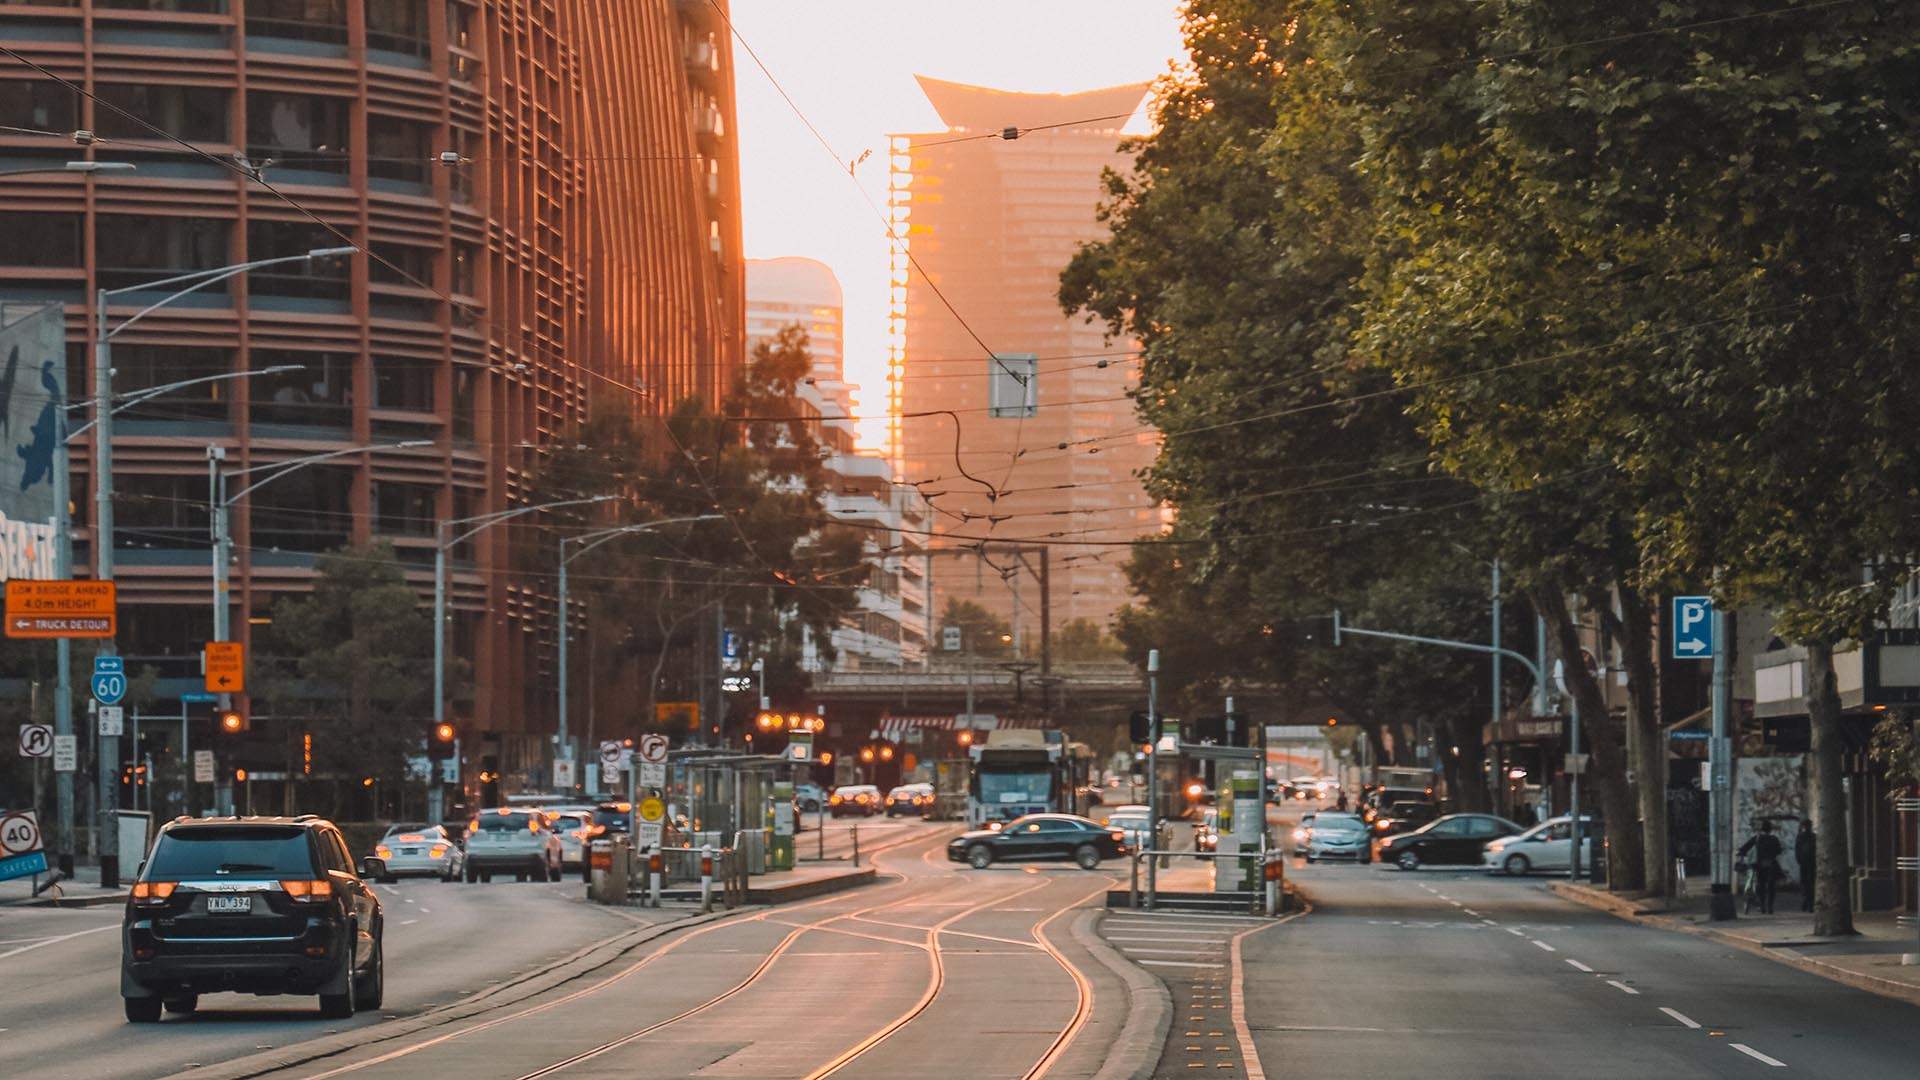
656,865
706,878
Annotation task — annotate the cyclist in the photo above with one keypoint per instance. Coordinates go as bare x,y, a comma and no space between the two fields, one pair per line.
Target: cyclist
1765,862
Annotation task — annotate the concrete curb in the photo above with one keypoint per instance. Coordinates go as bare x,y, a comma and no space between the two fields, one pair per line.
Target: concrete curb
92,899
536,982
1630,912
1136,1050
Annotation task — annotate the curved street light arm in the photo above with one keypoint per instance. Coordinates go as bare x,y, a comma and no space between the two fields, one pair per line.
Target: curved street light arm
488,521
282,468
141,397
203,278
595,539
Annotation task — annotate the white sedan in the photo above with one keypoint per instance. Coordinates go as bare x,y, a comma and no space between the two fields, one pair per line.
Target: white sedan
1543,847
421,851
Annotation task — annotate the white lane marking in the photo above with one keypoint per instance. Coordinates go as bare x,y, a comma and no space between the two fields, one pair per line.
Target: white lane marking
1577,964
1758,1056
1132,951
1183,915
426,911
1171,928
1470,911
1515,933
1180,963
408,922
1443,896
1680,1016
1161,937
1237,999
1538,944
1622,987
56,940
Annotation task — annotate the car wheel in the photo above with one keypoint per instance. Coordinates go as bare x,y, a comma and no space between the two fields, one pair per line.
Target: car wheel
374,987
1087,857
486,876
1518,866
472,875
1310,858
1408,860
184,1005
341,1006
142,1010
520,876
979,856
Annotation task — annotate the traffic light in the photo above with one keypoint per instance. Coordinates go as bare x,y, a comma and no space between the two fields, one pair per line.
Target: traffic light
1137,728
231,721
443,733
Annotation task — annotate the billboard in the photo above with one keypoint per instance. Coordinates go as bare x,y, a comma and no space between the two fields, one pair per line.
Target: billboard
33,368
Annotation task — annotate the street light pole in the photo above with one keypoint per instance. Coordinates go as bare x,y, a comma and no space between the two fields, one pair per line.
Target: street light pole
107,751
1153,770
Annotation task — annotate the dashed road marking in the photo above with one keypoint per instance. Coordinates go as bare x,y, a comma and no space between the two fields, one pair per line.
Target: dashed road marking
1180,963
1622,987
1758,1056
1543,945
1580,966
1680,1016
1516,933
1471,912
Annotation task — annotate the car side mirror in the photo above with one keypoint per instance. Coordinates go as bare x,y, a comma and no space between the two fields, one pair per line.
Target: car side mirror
373,866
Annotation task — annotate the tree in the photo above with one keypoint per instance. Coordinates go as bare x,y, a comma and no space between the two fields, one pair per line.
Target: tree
357,643
1083,639
982,633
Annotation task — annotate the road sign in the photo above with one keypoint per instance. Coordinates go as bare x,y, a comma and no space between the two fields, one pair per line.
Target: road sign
36,740
652,775
109,679
226,667
1693,628
950,638
203,766
21,845
113,721
1576,764
612,752
66,753
563,773
730,644
648,835
609,774
60,609
653,749
198,697
800,746
736,684
652,809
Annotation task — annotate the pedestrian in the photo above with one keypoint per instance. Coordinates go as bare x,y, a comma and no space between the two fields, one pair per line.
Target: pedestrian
1766,849
1340,803
1804,853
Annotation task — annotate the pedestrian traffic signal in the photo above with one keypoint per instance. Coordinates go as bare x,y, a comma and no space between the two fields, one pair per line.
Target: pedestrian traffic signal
231,721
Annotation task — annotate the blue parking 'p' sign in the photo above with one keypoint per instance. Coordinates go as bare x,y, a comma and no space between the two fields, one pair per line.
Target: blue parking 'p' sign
1693,627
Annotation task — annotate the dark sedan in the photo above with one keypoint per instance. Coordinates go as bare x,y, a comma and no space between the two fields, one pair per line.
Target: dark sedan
1040,838
1454,840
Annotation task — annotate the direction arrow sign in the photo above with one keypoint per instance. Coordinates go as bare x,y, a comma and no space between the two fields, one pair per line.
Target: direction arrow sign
109,665
226,667
1693,628
36,740
109,680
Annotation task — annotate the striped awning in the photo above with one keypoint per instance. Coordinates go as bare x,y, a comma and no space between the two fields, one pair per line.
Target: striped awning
895,728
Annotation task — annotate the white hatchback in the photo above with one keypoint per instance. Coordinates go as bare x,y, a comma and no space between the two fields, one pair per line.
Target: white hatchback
1543,847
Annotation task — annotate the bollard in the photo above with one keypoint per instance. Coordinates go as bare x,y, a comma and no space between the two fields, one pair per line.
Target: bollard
1133,887
1276,866
706,878
656,864
855,830
599,867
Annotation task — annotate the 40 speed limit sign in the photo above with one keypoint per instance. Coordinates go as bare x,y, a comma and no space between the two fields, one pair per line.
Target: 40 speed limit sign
21,850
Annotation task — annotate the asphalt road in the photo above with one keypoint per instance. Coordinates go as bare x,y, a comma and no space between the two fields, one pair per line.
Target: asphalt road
1448,973
60,1012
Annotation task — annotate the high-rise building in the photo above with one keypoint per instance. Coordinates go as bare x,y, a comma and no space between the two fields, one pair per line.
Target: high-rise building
887,628
987,223
548,191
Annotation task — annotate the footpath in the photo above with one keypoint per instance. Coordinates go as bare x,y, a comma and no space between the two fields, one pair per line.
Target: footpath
81,890
1873,959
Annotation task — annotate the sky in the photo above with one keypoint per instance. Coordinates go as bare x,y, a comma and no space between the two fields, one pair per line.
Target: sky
849,66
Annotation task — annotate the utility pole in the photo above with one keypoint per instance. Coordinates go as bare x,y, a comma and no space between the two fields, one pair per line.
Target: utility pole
1153,768
1720,906
106,840
1500,781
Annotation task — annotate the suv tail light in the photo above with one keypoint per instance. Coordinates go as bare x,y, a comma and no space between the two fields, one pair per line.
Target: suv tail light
152,893
308,892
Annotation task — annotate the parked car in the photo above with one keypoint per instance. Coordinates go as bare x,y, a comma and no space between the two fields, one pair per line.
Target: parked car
1404,817
810,798
1454,840
1339,836
256,905
510,840
1037,837
910,800
1206,832
862,799
1135,822
1544,847
416,850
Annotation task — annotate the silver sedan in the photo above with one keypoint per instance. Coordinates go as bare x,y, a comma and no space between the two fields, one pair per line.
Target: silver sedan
421,851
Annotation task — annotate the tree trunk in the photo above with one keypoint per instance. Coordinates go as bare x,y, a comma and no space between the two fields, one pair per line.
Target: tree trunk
1467,773
1638,645
1832,908
1601,736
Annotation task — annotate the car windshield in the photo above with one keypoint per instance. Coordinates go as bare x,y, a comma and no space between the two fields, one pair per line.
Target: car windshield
613,819
245,851
505,822
1337,825
1015,787
408,827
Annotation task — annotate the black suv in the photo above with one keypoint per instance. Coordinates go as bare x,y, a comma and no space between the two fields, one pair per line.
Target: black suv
260,905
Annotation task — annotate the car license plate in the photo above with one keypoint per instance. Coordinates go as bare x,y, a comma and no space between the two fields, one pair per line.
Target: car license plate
229,905
409,851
